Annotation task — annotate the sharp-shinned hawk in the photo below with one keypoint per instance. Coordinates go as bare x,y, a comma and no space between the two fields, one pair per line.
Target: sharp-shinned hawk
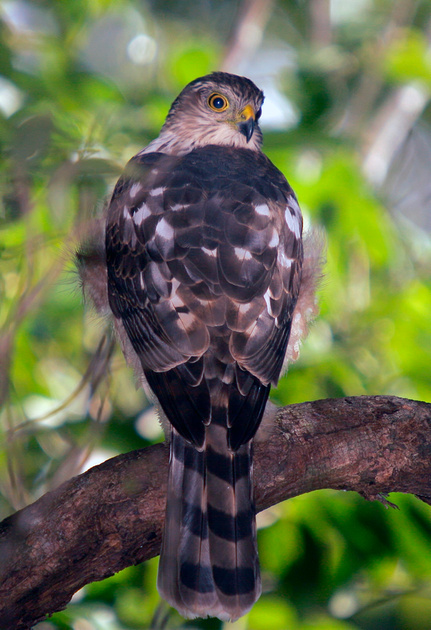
205,274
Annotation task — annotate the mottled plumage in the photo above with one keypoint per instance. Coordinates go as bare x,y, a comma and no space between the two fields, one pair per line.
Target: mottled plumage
204,259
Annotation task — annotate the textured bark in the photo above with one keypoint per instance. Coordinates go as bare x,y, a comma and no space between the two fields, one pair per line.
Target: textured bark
111,516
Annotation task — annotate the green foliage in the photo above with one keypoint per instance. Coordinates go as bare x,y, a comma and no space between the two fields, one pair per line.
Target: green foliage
84,86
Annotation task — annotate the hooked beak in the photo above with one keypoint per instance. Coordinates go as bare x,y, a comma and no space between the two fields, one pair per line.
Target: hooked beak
246,122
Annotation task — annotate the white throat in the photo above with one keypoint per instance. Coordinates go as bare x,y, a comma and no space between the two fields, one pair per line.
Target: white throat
176,141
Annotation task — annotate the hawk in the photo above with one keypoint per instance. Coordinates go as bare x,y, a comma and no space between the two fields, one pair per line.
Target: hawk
203,270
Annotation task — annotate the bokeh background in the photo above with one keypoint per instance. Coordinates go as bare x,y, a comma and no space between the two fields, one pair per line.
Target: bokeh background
85,84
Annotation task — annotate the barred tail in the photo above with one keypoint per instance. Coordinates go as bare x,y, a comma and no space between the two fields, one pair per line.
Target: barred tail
209,563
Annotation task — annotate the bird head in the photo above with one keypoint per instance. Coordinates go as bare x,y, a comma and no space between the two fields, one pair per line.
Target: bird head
220,108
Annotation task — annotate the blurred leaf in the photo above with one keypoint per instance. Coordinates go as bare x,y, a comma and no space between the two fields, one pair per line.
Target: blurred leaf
408,58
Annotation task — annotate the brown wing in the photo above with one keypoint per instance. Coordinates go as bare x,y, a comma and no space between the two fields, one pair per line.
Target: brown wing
204,261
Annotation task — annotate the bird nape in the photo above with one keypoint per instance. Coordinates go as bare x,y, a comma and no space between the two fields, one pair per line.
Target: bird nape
202,268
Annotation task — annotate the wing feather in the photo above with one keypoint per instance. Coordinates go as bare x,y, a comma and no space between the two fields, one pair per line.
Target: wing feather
204,261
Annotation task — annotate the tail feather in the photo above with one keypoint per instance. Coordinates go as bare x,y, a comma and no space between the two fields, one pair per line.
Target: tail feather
209,563
231,524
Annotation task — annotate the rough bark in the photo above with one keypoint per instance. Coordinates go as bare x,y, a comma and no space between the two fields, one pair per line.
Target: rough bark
111,516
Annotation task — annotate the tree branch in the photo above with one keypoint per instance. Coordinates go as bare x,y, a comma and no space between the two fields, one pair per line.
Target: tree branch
111,516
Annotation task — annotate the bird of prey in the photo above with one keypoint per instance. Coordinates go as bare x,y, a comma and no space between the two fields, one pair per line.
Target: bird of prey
203,270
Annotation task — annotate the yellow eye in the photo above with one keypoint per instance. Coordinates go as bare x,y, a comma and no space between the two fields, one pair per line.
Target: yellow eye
217,102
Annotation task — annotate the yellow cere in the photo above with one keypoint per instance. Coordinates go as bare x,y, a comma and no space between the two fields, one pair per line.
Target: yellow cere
247,112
